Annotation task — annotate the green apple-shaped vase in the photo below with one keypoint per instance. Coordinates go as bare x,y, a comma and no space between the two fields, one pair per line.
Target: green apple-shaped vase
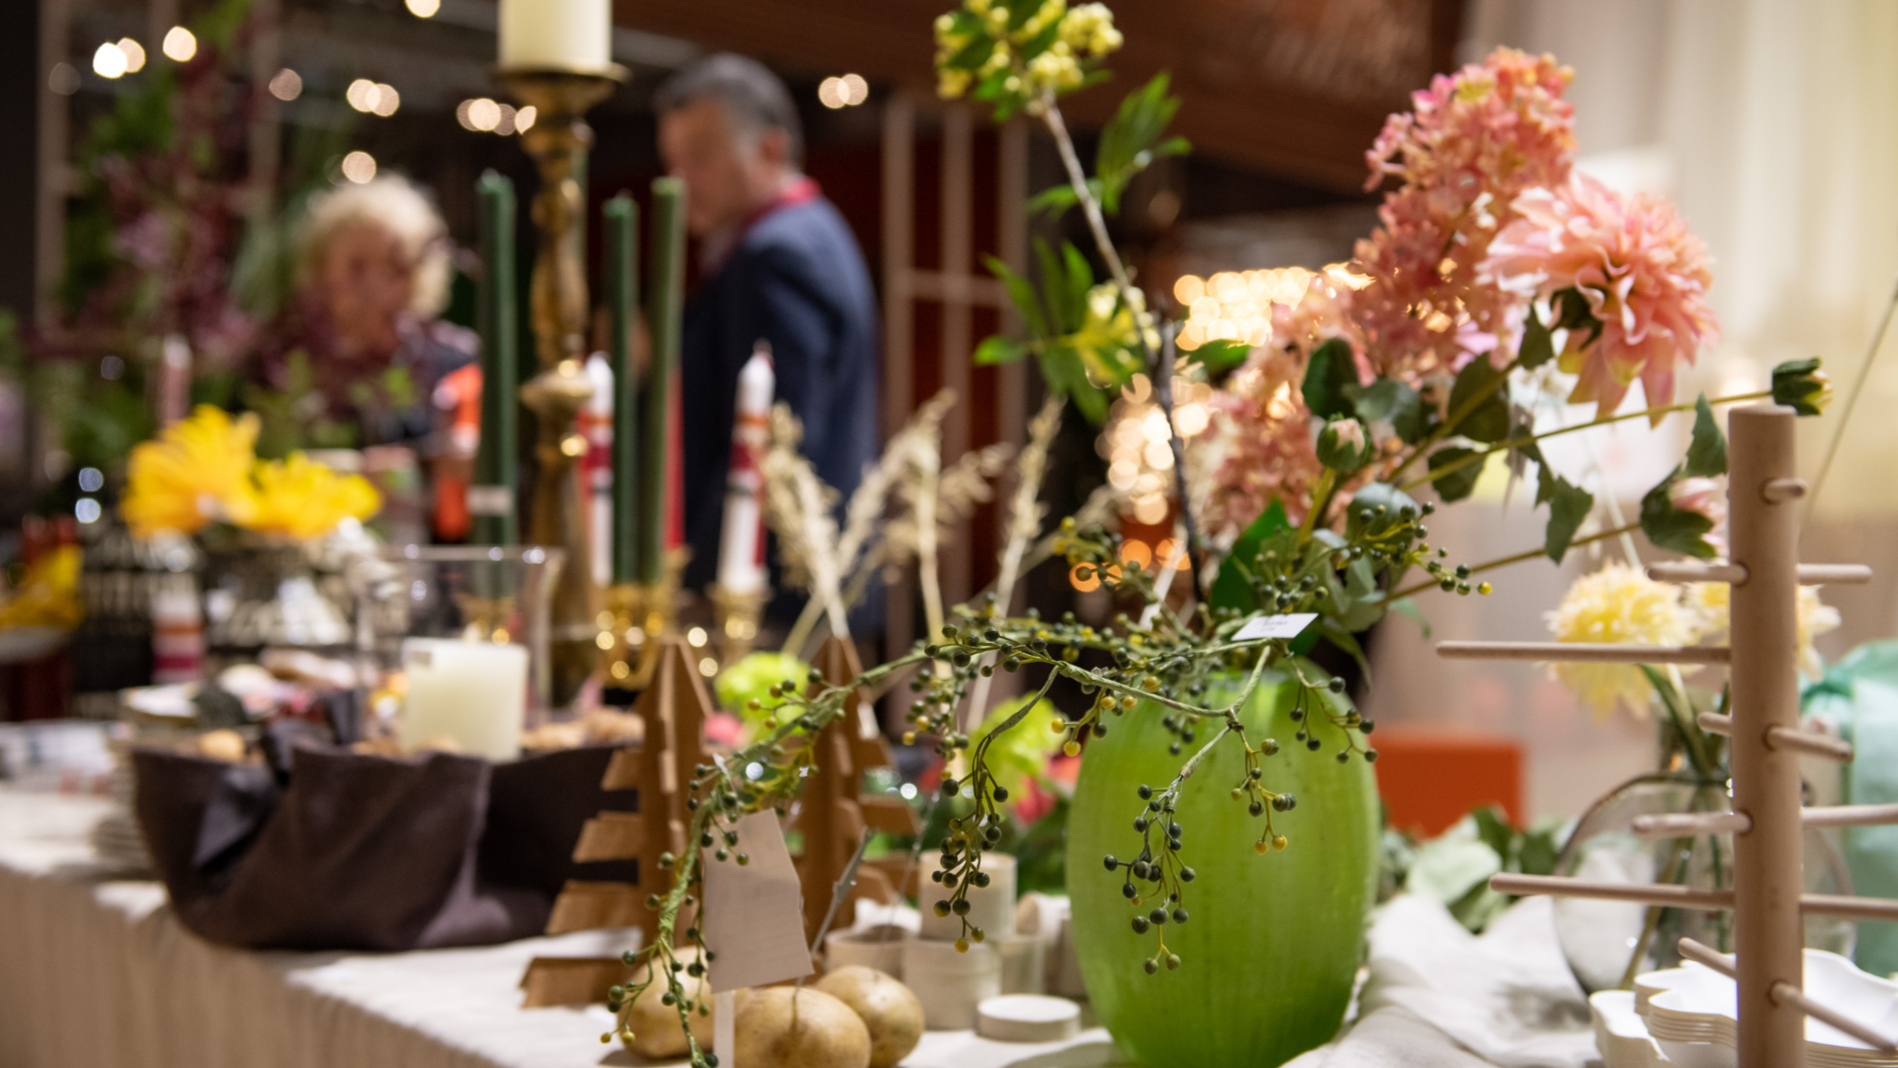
1272,939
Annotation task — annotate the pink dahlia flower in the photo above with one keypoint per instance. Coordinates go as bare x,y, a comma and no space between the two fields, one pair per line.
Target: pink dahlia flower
1643,273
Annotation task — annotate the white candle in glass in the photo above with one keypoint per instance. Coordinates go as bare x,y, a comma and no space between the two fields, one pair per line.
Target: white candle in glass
741,538
556,34
472,692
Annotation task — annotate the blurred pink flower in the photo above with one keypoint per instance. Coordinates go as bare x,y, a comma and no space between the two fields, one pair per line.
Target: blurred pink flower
1471,143
1643,273
1707,497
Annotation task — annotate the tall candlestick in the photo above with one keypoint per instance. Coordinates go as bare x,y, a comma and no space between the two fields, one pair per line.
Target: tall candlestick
596,424
491,500
622,288
741,537
665,311
563,35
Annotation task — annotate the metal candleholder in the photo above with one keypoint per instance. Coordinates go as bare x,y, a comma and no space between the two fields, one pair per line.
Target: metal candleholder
737,616
558,309
637,621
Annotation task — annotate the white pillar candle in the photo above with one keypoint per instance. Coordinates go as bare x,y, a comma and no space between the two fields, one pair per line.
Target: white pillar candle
741,539
472,692
572,35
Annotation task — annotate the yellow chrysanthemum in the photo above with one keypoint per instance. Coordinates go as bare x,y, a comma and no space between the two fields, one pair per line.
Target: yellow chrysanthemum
1709,604
1617,605
48,595
186,478
300,498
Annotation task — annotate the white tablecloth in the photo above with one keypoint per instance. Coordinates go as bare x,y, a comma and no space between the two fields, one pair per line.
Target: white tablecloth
98,973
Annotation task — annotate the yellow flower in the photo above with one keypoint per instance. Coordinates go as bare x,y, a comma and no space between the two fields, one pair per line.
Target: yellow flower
1617,605
299,498
1710,603
951,84
48,595
186,478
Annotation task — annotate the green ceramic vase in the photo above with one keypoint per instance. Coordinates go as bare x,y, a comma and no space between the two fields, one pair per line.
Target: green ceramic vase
1273,941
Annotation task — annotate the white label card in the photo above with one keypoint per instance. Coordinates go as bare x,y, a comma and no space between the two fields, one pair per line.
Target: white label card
1288,626
754,914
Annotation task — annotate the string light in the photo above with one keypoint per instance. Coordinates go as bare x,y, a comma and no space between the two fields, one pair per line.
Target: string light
287,85
378,98
847,91
1237,305
108,61
134,55
524,119
63,79
180,44
359,167
387,99
424,9
480,114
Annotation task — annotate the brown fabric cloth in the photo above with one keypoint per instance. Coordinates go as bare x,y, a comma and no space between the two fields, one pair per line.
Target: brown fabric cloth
371,853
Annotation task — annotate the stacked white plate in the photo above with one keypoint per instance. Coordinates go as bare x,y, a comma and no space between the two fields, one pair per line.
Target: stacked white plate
1691,1014
1620,1034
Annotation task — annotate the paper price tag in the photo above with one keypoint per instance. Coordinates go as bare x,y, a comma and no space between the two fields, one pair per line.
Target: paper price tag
754,916
1287,626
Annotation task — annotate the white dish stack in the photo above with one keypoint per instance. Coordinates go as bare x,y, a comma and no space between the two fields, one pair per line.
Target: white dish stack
1687,1016
950,984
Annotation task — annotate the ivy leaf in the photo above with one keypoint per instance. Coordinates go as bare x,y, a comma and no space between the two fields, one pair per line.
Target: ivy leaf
1707,452
1538,347
1220,356
1569,505
1384,401
1329,371
1457,484
998,349
1674,528
1231,587
1488,422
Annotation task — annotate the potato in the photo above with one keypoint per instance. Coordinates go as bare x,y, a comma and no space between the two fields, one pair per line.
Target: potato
888,1008
798,1027
655,1025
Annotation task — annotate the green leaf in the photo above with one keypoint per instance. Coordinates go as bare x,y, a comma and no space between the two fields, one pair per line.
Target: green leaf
1219,356
1021,293
1569,505
1231,587
1672,528
1386,400
1488,422
1707,452
999,349
1538,347
1802,386
1363,521
1330,369
1130,141
1495,832
1459,483
1055,199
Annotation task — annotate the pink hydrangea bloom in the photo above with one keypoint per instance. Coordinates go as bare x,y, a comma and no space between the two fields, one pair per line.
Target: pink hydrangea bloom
1644,274
1471,143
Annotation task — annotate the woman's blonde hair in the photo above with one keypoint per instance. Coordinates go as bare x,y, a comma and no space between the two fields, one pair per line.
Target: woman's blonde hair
396,204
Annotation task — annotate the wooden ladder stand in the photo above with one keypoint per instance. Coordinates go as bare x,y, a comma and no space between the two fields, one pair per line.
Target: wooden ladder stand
834,810
673,708
1768,897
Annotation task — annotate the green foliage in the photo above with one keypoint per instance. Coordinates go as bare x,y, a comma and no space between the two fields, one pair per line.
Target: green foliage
296,416
1328,371
1219,357
1232,587
1669,527
1386,400
1707,452
1479,396
1134,138
1459,481
1538,347
1017,755
1081,334
1569,505
1455,867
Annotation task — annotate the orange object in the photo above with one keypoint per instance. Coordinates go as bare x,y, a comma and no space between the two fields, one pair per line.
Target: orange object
1430,778
460,396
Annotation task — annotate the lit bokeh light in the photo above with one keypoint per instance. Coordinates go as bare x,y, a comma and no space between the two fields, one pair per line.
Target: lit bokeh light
359,167
287,85
108,61
1237,305
424,9
180,44
134,55
480,114
846,91
373,98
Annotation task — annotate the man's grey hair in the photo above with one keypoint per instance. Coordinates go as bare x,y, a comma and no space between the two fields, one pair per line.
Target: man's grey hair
754,99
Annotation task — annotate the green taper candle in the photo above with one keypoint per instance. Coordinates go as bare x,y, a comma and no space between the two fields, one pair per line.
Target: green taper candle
665,310
491,500
622,289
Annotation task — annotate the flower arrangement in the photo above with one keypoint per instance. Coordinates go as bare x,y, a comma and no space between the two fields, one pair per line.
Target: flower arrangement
204,470
1495,277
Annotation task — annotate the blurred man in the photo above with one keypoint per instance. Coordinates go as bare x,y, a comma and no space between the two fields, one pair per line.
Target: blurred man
780,265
